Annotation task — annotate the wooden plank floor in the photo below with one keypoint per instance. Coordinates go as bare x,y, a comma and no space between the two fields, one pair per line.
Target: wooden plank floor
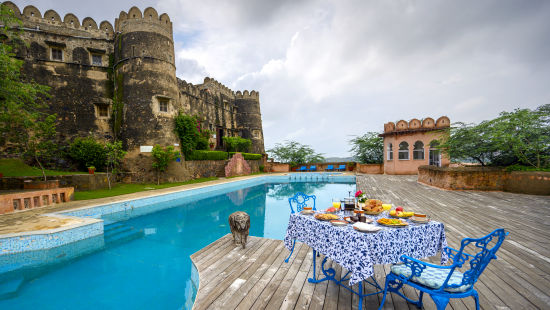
258,278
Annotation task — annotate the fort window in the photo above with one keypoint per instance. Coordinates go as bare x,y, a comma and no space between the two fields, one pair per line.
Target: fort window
102,110
57,54
163,104
390,151
418,152
97,60
403,151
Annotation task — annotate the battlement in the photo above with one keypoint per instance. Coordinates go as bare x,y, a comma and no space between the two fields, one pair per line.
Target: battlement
70,25
217,87
247,95
417,125
149,20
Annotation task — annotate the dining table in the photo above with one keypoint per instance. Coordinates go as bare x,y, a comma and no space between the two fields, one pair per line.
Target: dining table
358,251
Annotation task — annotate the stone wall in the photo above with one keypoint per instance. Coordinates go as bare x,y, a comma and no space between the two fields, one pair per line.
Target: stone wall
370,168
487,179
80,182
277,167
148,93
141,169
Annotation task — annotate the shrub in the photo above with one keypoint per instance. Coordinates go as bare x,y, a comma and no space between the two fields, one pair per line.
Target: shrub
237,144
202,143
248,156
207,155
88,152
261,168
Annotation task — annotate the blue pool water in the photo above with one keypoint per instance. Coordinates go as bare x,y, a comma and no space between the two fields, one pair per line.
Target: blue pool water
142,262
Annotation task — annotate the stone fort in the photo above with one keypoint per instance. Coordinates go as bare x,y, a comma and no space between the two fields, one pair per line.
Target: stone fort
121,82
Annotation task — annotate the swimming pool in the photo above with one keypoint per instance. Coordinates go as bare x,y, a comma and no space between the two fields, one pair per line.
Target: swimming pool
142,260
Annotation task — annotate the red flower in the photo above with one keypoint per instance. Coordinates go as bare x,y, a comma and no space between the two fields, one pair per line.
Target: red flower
358,193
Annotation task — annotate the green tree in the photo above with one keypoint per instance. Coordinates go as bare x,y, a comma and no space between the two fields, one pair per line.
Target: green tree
525,133
40,142
22,119
295,153
114,156
470,142
368,148
162,156
187,129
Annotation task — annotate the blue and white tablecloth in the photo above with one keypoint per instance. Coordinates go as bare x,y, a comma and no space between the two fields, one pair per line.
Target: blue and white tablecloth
358,252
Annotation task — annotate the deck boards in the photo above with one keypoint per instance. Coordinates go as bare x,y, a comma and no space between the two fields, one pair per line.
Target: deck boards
258,278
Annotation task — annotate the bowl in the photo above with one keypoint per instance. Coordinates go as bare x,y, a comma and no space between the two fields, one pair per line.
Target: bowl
373,212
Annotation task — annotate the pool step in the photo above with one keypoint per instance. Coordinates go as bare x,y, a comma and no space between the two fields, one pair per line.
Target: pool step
9,288
120,233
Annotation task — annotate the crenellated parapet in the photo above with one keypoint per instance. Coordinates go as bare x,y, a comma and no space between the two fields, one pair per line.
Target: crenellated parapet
417,125
150,21
253,95
217,87
189,88
70,25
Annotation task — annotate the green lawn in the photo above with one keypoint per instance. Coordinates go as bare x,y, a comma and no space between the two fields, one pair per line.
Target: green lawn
12,167
121,189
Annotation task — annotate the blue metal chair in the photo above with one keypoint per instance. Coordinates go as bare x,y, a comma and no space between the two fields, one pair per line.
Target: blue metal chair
341,168
303,168
445,282
301,200
313,168
329,168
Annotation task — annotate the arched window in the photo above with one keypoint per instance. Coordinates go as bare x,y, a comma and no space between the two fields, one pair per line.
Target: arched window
390,151
404,151
418,152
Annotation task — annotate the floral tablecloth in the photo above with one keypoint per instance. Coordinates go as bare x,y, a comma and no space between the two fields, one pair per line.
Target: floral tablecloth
358,252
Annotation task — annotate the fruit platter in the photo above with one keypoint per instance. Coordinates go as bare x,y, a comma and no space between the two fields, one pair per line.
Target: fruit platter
326,216
331,210
373,207
392,222
400,213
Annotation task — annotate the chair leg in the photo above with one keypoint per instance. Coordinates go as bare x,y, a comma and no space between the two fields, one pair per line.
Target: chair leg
476,298
440,301
291,251
420,296
386,286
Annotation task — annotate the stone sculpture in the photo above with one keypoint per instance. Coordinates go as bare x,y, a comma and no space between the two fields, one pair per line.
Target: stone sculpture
239,223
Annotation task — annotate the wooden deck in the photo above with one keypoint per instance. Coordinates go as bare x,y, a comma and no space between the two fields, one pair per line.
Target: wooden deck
258,278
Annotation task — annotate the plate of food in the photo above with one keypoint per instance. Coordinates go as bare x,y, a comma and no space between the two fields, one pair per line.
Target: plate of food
326,216
331,210
307,212
364,227
400,212
420,219
339,223
392,222
373,207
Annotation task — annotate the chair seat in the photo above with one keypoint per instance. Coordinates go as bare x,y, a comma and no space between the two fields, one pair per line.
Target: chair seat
433,277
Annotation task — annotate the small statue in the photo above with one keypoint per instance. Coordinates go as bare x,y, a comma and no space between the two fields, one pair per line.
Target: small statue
239,222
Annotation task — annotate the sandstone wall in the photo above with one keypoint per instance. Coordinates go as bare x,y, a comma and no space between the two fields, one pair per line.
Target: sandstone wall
140,168
370,168
80,182
487,179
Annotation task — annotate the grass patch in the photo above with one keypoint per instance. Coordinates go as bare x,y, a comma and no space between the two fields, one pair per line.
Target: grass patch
13,167
122,189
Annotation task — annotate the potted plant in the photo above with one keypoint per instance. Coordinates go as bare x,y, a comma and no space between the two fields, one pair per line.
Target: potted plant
91,170
351,166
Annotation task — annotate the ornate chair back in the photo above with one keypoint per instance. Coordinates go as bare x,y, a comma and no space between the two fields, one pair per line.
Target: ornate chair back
301,200
478,261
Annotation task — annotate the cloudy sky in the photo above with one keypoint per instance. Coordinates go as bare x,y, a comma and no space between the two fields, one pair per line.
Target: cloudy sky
328,70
